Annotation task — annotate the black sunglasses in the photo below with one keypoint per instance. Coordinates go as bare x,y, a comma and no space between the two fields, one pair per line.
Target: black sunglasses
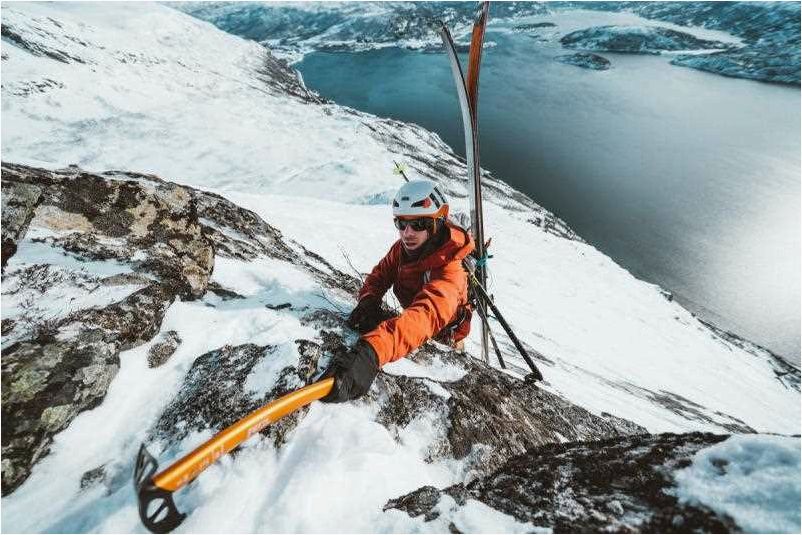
422,223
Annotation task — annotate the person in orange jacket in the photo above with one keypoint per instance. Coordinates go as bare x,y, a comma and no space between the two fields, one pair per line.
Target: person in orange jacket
424,268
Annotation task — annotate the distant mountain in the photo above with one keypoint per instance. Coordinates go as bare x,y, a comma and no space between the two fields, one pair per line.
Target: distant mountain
770,30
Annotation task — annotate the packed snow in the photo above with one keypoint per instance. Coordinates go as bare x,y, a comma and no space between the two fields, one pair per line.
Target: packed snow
159,92
753,479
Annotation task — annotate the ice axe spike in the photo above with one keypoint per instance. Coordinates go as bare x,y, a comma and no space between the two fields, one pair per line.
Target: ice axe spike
154,491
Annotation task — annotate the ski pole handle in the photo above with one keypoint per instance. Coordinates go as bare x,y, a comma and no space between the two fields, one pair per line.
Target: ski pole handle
156,488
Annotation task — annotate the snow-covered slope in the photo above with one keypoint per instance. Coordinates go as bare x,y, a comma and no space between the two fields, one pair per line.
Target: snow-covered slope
144,88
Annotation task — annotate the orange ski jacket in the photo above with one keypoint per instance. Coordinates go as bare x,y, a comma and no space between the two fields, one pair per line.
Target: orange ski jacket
431,289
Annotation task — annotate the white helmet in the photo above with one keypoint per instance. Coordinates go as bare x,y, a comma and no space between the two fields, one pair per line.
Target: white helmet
420,198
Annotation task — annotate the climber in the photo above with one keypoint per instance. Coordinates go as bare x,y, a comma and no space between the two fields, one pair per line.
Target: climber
424,267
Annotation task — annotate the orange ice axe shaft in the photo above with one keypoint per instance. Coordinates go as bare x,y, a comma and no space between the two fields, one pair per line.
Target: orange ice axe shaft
157,510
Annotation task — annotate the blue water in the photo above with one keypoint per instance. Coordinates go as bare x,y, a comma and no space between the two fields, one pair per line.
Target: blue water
688,179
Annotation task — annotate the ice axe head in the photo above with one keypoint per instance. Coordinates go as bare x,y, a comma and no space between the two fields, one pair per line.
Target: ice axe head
157,509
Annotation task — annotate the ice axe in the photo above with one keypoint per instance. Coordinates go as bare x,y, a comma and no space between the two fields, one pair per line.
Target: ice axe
154,491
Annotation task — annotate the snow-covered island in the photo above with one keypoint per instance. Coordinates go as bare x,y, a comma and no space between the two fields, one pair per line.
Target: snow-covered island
184,228
586,60
766,48
636,40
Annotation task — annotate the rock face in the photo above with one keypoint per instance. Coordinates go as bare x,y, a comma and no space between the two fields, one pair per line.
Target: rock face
620,485
18,202
104,257
586,60
485,416
98,218
66,325
636,40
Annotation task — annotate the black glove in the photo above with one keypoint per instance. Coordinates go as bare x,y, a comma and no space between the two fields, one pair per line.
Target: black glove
366,316
353,371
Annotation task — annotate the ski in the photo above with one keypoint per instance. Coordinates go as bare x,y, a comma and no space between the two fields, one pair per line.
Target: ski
154,491
468,95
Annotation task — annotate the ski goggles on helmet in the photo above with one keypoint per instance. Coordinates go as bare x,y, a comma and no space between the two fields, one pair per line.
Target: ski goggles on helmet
419,224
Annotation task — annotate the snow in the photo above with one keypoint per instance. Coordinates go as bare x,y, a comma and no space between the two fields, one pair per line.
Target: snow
187,106
476,517
752,478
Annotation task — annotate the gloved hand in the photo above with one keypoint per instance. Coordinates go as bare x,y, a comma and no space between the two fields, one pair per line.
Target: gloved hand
354,371
366,314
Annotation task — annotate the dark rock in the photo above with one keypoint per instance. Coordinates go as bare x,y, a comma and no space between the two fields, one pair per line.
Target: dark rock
620,485
45,385
18,203
7,326
93,477
534,26
56,366
486,416
12,35
509,416
213,395
585,59
224,293
420,502
98,218
130,322
163,350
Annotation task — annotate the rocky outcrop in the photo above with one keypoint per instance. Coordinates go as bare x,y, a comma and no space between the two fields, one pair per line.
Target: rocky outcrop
620,485
152,225
19,200
586,60
162,350
93,261
485,416
65,325
638,40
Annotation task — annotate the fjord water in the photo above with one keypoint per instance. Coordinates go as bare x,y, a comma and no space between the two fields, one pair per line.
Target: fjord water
689,180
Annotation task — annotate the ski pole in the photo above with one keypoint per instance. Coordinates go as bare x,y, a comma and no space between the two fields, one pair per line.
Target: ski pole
157,510
483,294
483,316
